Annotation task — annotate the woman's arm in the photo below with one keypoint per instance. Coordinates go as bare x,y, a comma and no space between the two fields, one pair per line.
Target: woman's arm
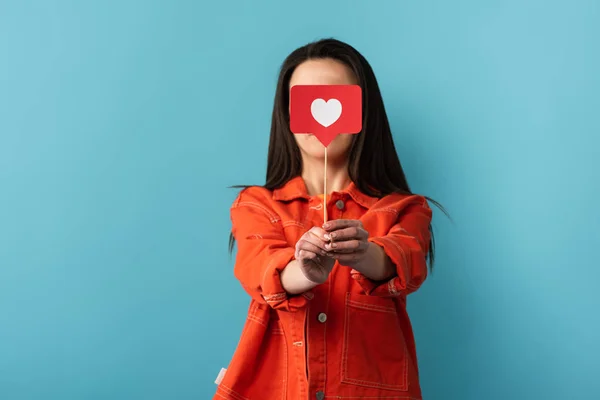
269,269
391,264
293,279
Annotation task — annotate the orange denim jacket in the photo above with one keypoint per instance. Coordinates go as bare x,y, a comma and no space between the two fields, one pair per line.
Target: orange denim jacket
349,338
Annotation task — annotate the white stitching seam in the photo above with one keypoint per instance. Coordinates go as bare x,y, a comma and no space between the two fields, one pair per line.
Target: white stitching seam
235,395
272,217
273,298
385,209
293,223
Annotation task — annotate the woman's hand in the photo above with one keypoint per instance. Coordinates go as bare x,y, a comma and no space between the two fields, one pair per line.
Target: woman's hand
351,247
349,241
311,253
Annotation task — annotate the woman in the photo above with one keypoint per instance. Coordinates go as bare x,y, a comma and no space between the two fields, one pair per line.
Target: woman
328,315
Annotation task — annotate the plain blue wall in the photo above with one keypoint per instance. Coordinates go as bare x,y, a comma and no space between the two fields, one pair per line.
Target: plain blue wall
123,122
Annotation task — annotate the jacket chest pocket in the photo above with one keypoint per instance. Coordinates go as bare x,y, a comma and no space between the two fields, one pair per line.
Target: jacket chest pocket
374,351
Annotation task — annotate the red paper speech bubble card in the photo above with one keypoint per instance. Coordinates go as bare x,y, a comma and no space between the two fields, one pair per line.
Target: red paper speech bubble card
325,110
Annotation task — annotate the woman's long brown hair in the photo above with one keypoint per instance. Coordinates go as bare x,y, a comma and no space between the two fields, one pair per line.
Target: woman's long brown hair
374,165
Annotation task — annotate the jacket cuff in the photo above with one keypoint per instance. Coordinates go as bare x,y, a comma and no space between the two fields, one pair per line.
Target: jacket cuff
272,289
395,286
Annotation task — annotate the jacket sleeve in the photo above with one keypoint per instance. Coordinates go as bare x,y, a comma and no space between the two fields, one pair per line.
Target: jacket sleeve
262,251
406,243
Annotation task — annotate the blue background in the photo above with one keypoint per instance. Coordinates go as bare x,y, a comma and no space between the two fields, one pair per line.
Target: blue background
123,122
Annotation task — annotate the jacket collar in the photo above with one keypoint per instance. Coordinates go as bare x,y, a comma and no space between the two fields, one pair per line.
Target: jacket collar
295,188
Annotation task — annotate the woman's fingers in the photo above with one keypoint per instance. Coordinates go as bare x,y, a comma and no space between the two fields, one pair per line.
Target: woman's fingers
351,233
343,241
314,241
337,224
317,236
319,232
348,246
307,245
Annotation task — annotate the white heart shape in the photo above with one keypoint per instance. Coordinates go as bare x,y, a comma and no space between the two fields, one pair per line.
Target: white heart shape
326,113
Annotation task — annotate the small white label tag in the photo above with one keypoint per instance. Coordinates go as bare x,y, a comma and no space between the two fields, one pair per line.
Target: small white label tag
220,376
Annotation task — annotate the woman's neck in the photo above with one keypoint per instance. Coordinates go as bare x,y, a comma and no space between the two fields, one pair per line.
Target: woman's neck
313,175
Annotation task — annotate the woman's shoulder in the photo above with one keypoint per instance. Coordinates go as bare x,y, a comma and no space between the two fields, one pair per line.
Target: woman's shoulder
253,195
253,202
400,201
